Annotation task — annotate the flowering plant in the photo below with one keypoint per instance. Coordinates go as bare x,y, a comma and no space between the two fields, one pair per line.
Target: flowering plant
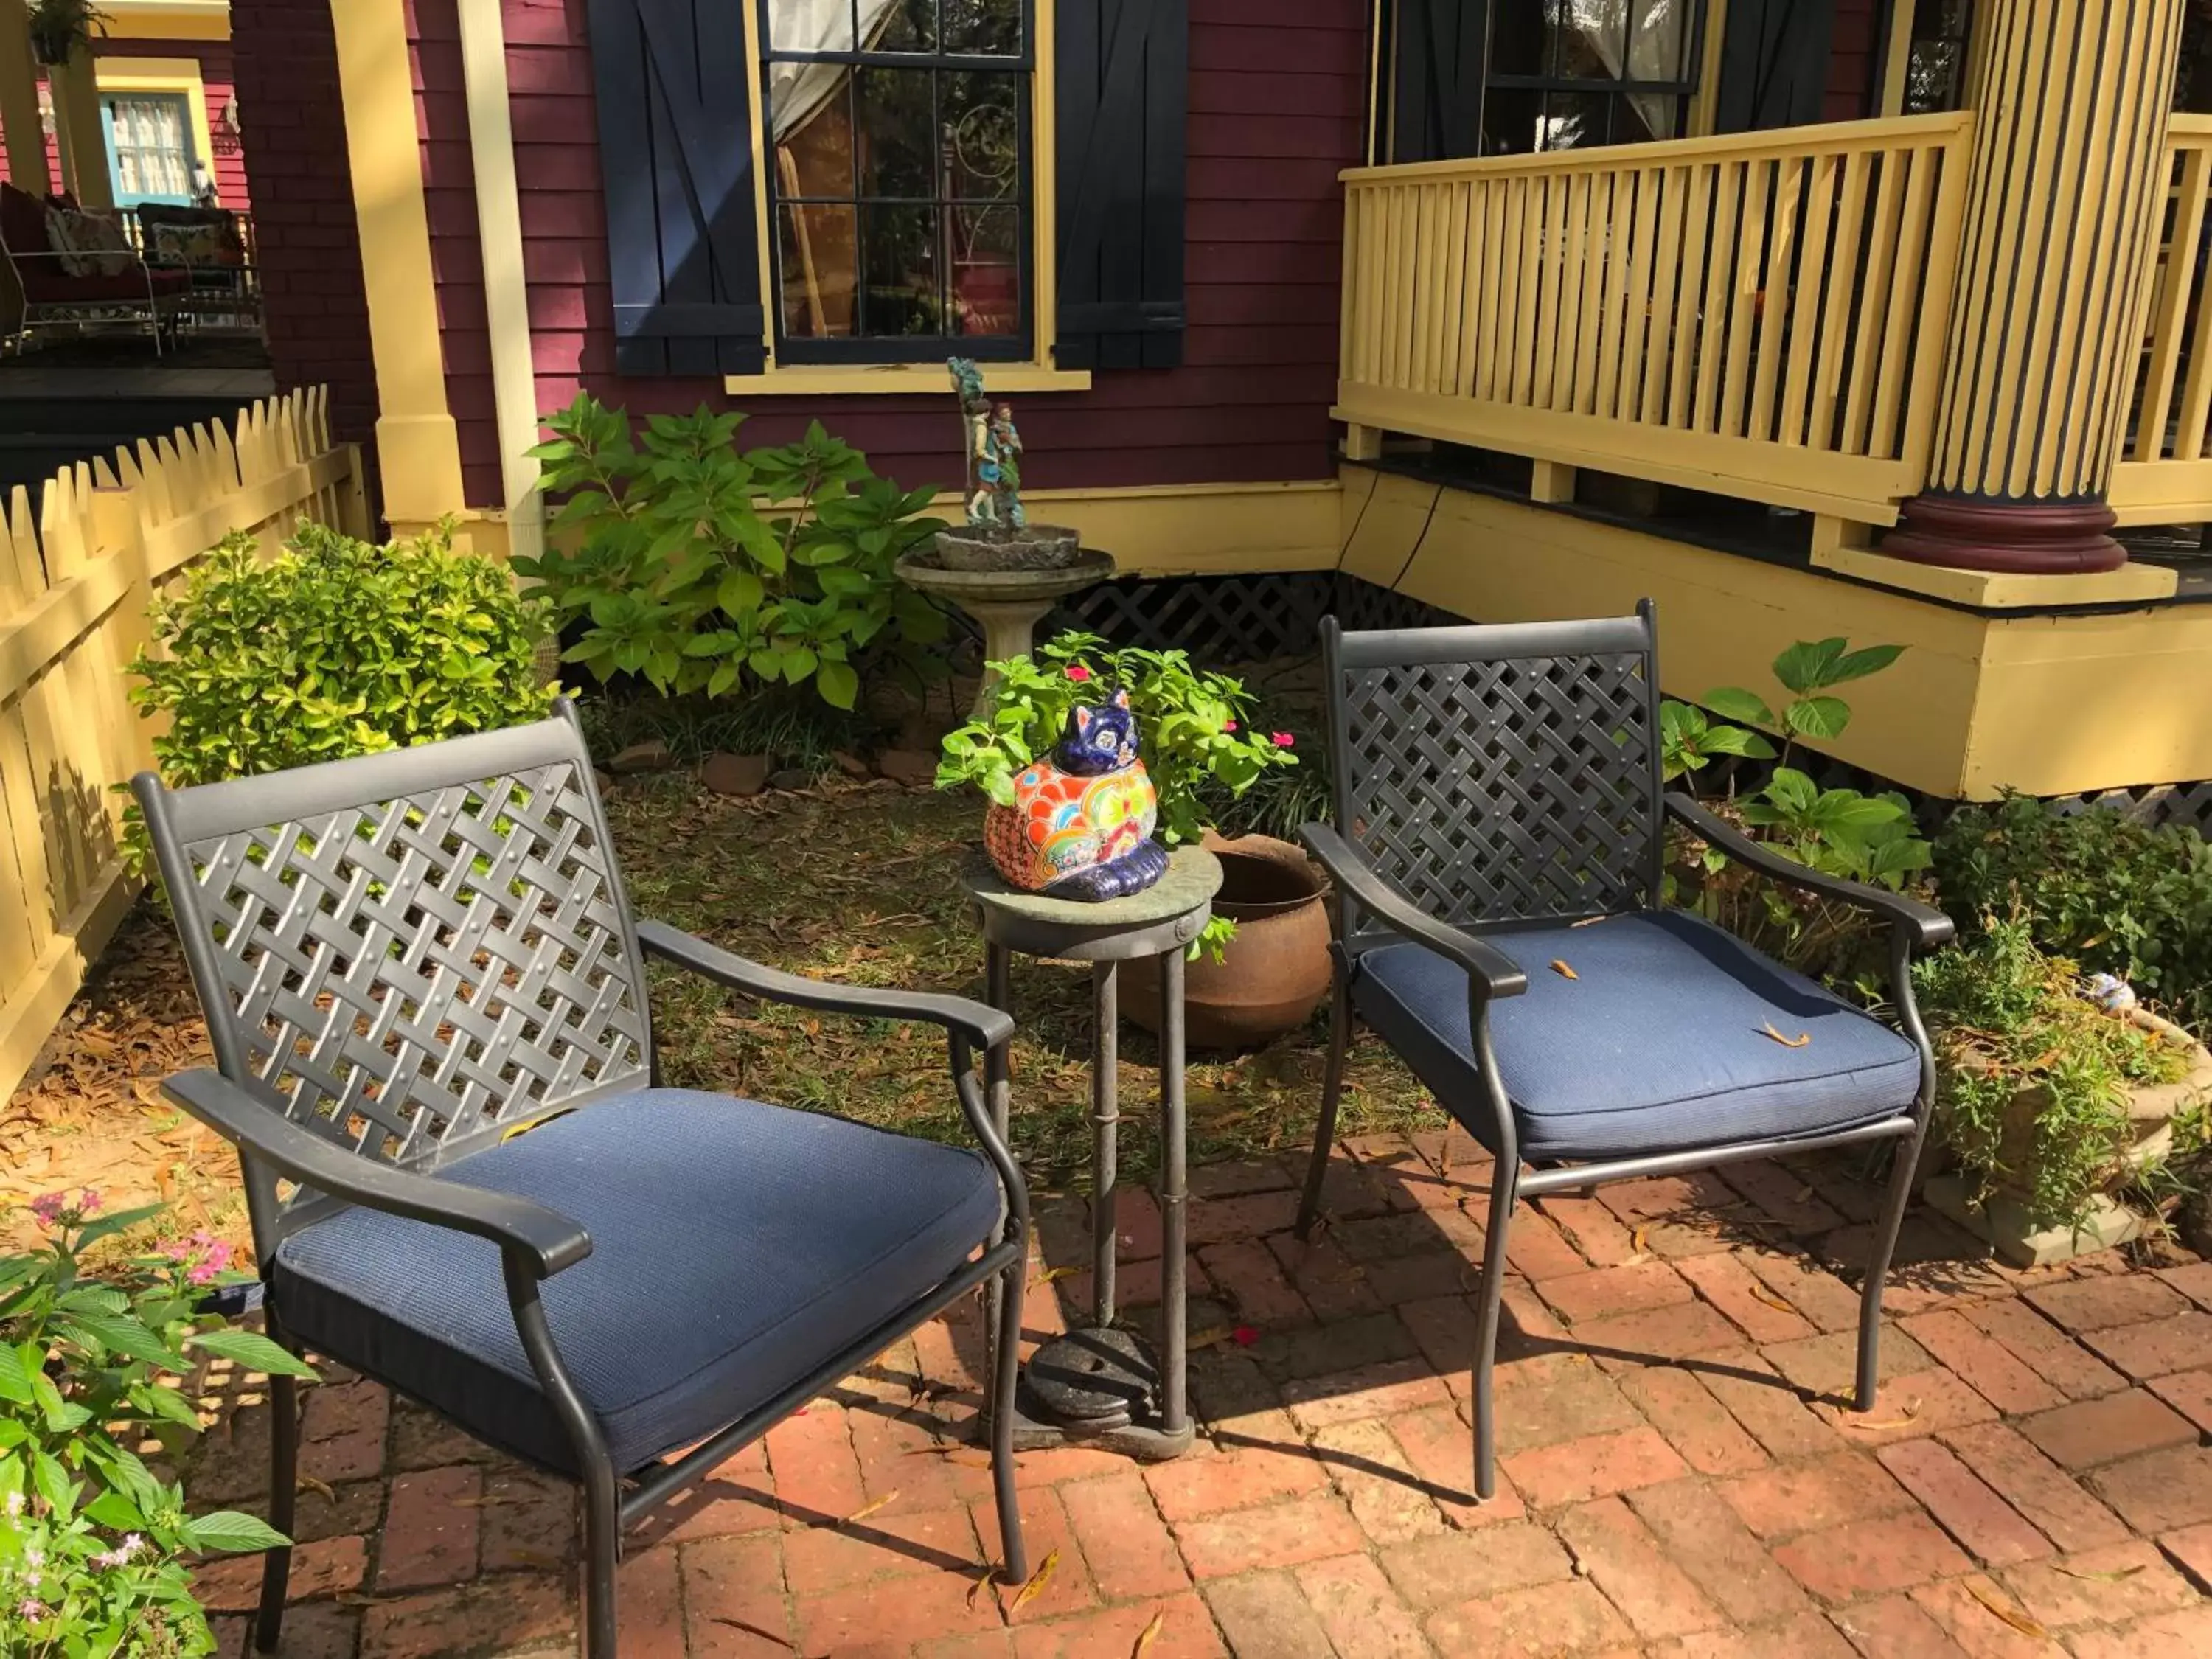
1190,723
91,1540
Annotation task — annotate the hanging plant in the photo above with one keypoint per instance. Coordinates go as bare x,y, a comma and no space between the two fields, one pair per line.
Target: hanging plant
59,27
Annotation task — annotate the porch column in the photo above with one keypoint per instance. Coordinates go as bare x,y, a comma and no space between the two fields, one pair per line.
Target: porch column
84,141
19,102
2063,206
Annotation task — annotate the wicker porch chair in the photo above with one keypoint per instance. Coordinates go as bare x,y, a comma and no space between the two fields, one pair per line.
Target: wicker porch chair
1495,788
408,959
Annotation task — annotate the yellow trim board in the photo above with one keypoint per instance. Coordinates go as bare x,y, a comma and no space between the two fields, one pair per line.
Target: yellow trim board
2002,589
798,381
2050,705
167,20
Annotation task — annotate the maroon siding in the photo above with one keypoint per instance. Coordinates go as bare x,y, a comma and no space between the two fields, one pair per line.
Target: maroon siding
1275,98
1854,60
287,67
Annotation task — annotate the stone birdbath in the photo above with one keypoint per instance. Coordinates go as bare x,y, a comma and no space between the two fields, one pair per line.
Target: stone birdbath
1002,570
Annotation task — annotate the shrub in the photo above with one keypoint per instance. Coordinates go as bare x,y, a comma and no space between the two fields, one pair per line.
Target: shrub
679,574
91,1540
334,648
2119,896
2007,1019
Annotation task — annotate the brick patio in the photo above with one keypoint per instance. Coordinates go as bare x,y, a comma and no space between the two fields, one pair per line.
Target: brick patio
1679,1476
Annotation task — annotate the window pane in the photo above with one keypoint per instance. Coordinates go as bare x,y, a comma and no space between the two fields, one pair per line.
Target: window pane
1572,120
982,149
992,27
899,269
1588,37
812,25
1509,120
904,25
816,259
897,157
1520,39
1659,41
813,127
987,270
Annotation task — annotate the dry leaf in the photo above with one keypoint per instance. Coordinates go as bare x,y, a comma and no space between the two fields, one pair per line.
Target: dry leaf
1590,921
1035,1588
1208,1338
1639,1239
1563,970
990,1570
1797,1042
966,1457
1911,1411
1054,1275
1802,1193
1772,1300
309,1483
2111,1577
2004,1609
488,1501
867,1509
1150,1634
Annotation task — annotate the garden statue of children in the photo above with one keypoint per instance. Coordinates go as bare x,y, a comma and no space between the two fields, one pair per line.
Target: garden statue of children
1007,442
979,443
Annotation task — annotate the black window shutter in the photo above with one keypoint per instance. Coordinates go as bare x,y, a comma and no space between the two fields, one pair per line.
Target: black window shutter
1437,95
1774,64
676,154
1121,74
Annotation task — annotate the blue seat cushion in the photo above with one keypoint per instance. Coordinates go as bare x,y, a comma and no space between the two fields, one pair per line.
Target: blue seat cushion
735,1248
1658,1044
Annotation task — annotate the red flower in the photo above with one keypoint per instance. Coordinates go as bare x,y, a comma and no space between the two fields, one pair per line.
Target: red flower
1283,740
1244,1335
1076,670
1229,726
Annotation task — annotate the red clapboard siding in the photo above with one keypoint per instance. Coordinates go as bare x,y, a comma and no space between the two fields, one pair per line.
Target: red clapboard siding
1275,96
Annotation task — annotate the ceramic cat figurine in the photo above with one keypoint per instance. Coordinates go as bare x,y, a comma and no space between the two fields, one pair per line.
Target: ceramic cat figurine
1081,824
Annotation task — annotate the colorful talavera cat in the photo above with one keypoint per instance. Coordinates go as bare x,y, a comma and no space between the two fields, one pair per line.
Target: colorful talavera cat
1081,824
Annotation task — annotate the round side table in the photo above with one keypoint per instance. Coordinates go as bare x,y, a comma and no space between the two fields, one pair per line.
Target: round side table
1102,1385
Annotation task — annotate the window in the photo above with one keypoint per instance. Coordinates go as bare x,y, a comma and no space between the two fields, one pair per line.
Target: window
1568,73
898,177
1935,56
147,154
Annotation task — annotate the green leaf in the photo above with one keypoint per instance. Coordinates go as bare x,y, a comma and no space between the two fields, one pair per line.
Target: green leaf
116,1512
108,1225
251,1350
839,684
1734,740
54,1483
1818,717
1872,659
1809,665
15,1376
740,593
234,1533
1735,703
122,1334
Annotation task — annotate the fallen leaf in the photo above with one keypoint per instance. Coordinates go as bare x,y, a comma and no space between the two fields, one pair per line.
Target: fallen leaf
309,1483
1208,1337
1054,1275
2003,1608
1911,1411
966,1457
990,1570
1563,970
1772,1300
2109,1577
1802,1193
867,1509
1639,1239
1590,921
1150,1634
488,1501
1035,1588
1797,1042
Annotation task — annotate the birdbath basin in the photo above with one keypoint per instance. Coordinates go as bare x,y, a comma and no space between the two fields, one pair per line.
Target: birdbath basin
1009,604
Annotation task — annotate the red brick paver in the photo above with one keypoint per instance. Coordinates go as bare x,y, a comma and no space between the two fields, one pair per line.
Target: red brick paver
1680,1474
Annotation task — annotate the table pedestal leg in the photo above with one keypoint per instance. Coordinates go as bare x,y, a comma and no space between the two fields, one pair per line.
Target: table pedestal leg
1173,1186
1105,1130
998,1087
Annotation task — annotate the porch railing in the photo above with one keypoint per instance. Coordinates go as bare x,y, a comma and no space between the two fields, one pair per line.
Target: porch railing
2164,470
1760,315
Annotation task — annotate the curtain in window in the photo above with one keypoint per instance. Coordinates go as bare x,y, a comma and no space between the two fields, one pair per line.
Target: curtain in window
796,91
1645,46
151,155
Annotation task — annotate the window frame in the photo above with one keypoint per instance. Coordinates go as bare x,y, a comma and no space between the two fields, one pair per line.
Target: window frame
875,353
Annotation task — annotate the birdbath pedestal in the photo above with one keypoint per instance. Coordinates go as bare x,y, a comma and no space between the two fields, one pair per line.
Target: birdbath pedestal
1008,603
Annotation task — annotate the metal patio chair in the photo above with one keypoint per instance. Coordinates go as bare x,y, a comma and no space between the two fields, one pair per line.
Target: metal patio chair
408,959
1497,785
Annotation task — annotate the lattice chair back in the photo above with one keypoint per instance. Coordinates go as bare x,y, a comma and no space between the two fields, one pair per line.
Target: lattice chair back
409,952
1506,773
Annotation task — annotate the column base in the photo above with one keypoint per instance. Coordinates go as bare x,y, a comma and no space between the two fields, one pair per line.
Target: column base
2020,539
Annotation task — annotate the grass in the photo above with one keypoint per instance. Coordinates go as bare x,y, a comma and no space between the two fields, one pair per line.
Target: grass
860,884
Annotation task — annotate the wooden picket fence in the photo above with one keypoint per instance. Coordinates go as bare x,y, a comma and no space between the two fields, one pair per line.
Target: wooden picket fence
76,573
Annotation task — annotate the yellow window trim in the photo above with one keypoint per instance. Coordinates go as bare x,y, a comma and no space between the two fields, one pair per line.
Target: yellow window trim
170,75
819,379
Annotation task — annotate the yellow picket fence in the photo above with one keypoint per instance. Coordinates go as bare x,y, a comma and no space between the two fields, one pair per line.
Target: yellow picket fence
76,572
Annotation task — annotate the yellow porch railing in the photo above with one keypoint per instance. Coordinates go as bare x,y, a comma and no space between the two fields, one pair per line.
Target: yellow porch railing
2164,471
1760,315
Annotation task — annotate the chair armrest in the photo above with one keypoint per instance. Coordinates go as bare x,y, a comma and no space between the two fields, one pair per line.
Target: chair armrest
1486,965
1924,926
545,1239
982,1025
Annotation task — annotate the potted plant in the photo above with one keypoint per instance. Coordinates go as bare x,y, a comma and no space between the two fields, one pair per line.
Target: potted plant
1261,966
2052,1102
59,27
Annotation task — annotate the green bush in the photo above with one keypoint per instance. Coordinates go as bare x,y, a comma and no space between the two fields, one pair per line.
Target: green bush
334,648
679,573
2118,896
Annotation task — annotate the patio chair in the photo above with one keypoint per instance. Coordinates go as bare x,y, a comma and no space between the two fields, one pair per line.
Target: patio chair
1500,814
409,959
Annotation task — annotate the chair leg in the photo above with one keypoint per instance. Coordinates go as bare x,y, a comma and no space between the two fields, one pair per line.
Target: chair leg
1505,1181
1877,1269
1006,1368
602,1553
284,1493
1331,1093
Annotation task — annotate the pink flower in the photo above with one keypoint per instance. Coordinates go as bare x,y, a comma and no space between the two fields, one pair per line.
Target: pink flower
1076,670
1229,726
200,1272
48,1208
1284,739
87,1200
31,1607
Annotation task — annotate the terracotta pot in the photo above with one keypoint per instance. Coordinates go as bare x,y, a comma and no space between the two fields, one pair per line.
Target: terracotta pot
1275,973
